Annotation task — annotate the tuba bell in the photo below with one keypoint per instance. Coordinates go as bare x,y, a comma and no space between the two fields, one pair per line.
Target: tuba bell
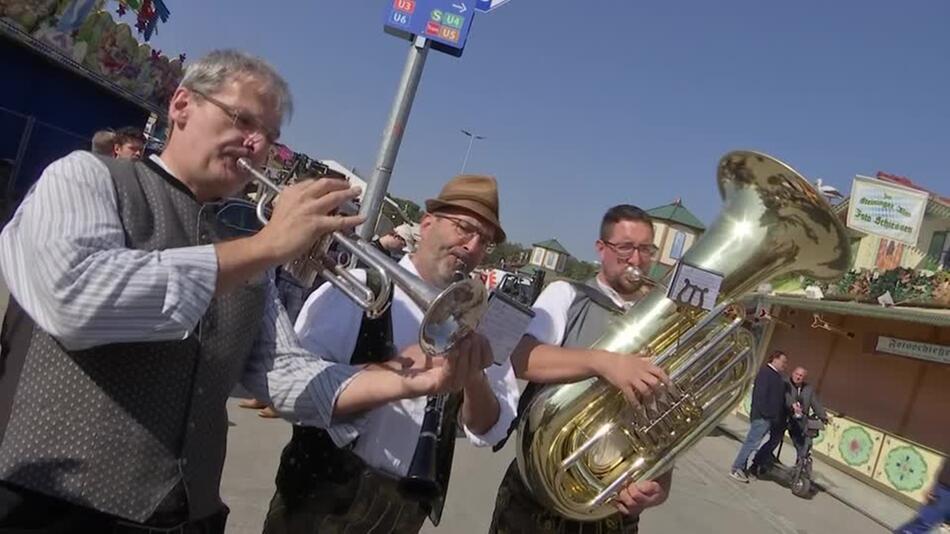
579,444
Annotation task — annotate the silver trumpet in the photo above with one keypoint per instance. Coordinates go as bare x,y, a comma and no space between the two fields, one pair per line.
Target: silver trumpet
372,296
450,314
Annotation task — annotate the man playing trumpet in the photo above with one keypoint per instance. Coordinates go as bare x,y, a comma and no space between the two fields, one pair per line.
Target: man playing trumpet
357,486
568,318
134,313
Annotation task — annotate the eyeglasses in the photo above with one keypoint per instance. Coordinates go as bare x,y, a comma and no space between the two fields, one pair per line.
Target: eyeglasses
625,250
241,120
466,231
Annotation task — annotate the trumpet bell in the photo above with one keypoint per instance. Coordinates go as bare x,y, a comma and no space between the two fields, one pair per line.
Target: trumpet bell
452,315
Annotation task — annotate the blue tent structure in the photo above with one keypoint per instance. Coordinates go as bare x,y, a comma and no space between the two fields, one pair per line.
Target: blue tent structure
49,107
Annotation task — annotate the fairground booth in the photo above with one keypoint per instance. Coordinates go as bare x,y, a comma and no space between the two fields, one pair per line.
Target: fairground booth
876,342
75,67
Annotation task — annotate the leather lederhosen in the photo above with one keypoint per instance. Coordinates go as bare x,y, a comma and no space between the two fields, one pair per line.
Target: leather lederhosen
325,489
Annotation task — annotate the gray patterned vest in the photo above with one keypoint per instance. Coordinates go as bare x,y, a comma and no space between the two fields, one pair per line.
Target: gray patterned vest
135,430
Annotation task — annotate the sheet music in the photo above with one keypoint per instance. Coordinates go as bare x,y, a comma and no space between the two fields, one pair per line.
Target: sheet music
694,286
503,325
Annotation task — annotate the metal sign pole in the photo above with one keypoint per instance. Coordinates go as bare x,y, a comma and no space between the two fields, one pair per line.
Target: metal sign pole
471,141
377,186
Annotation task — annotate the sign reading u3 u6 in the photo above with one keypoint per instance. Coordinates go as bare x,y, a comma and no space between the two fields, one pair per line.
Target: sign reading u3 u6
445,22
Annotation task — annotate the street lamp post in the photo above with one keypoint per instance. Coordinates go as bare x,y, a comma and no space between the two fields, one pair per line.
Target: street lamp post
471,140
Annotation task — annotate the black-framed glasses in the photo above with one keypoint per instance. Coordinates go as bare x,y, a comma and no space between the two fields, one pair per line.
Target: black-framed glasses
467,231
241,120
625,250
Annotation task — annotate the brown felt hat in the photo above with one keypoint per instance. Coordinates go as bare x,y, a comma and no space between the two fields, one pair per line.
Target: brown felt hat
475,193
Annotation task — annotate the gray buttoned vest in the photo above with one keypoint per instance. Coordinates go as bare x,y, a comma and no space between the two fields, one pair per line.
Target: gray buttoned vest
588,317
135,430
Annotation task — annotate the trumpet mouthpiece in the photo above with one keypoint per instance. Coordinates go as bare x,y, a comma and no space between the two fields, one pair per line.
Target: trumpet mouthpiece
245,165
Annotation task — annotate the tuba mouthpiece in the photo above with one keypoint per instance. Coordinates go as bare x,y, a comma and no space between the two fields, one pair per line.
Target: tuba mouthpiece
632,273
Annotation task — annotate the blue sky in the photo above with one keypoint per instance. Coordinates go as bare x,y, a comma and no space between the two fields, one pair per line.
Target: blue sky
589,104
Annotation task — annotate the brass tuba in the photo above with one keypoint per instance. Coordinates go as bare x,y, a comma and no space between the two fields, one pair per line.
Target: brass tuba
579,444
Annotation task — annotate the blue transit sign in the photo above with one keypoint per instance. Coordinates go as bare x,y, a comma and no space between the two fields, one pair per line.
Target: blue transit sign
445,22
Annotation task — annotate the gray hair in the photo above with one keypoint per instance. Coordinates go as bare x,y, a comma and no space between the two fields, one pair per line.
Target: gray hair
218,67
102,142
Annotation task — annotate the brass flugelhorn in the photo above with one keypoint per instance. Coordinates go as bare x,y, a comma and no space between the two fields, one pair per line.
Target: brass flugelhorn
450,314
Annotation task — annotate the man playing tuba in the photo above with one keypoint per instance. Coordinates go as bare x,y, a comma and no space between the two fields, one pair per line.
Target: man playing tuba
568,318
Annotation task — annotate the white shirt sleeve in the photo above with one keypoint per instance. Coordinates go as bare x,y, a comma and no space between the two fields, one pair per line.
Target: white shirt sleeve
550,313
547,326
329,322
501,378
65,261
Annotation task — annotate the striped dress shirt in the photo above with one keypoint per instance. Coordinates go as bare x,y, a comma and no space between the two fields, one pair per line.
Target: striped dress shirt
64,259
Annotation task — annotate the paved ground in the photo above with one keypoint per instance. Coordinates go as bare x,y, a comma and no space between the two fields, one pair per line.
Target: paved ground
704,499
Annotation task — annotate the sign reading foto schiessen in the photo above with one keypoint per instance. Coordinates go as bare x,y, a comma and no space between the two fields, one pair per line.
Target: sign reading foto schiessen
886,210
913,349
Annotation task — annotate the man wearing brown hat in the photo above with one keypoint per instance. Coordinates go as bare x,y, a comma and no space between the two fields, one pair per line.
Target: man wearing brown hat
359,486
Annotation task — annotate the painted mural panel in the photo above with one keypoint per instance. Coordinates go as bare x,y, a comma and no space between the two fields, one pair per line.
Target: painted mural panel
857,446
105,48
827,440
907,468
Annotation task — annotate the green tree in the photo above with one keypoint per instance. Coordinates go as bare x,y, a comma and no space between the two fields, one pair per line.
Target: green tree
579,270
409,208
509,251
